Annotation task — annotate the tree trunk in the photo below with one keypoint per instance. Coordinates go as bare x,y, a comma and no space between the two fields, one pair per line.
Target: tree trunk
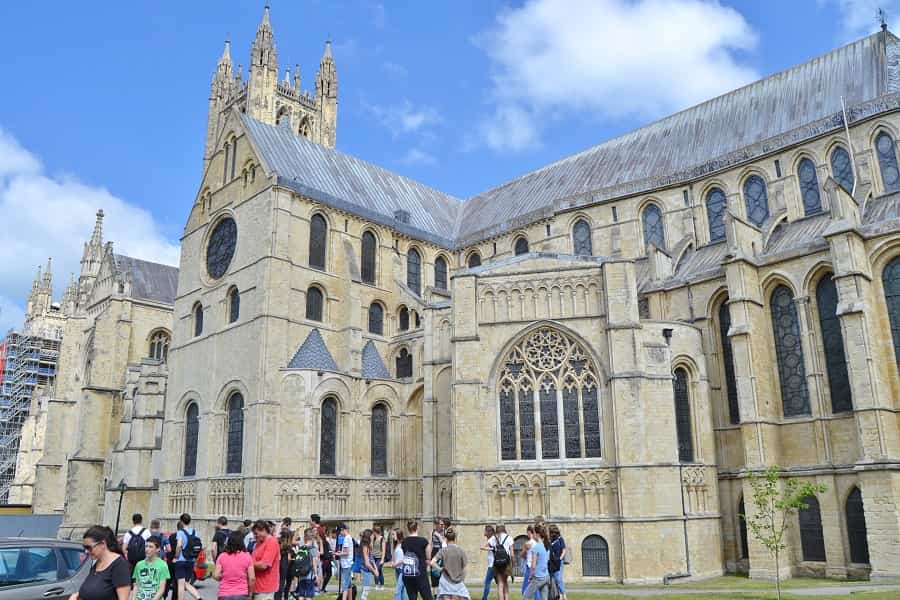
777,576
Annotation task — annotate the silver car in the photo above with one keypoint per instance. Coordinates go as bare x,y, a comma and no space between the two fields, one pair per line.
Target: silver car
37,568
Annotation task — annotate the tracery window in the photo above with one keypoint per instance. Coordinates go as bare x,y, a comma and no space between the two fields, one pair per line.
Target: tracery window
521,246
812,540
856,528
833,345
474,260
842,168
159,346
198,319
318,239
404,318
652,222
404,364
548,375
235,447
376,319
595,557
809,187
789,353
220,248
440,273
890,280
328,437
756,200
887,162
734,412
234,305
715,214
314,303
414,271
379,439
581,238
191,439
368,251
683,416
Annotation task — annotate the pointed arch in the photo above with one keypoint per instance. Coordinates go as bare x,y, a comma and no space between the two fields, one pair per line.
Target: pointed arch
159,345
653,226
856,527
812,539
197,313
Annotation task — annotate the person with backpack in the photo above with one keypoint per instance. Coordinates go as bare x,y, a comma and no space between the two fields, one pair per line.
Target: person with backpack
234,569
451,560
416,555
220,537
501,546
489,573
306,565
558,555
187,549
266,561
135,539
538,560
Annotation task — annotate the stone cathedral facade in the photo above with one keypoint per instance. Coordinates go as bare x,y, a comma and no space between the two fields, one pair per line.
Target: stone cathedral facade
613,341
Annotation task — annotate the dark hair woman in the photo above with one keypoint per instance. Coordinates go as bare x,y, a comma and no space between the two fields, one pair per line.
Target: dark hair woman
110,575
234,568
368,568
286,547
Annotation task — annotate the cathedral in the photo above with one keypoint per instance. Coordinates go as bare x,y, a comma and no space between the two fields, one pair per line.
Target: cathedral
614,341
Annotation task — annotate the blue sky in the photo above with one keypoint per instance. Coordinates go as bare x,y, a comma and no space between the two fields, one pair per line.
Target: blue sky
104,103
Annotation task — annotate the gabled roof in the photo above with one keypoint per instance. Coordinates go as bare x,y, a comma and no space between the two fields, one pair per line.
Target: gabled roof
372,365
149,280
313,354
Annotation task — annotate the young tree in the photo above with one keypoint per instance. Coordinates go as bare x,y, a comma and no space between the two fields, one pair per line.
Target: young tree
775,506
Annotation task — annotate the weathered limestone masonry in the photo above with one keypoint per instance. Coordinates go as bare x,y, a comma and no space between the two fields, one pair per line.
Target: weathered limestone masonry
615,341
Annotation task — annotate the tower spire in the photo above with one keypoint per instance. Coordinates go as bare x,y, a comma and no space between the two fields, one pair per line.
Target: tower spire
97,237
47,281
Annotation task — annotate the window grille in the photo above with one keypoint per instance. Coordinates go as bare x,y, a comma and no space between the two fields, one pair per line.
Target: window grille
809,187
789,353
715,214
756,200
654,233
595,557
842,168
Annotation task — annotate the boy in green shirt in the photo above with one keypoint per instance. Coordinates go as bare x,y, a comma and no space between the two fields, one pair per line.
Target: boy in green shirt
150,574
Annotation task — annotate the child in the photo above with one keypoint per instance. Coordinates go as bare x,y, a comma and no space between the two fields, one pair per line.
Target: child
150,574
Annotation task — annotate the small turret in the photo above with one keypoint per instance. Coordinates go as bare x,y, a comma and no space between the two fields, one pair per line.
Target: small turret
263,78
326,97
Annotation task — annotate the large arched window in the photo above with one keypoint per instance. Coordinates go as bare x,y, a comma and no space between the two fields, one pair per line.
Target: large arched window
235,448
652,222
833,345
521,246
159,346
404,318
404,364
581,238
198,319
474,260
379,439
809,187
314,303
842,168
890,279
756,200
376,319
440,273
789,353
414,270
369,250
595,557
680,384
856,528
234,305
318,241
734,412
328,437
812,540
715,214
547,375
887,162
191,439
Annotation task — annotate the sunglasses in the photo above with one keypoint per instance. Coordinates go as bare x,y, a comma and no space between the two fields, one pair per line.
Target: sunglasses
89,547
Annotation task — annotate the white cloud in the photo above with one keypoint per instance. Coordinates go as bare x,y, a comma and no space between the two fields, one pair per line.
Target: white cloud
405,118
609,59
52,216
394,70
859,18
416,156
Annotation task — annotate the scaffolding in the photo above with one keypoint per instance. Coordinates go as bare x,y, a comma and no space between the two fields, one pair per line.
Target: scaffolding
29,363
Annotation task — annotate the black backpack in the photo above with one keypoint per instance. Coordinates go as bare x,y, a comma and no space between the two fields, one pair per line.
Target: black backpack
137,549
193,547
302,563
555,561
173,543
501,556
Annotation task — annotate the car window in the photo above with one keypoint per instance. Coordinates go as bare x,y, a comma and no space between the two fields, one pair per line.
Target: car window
72,559
27,565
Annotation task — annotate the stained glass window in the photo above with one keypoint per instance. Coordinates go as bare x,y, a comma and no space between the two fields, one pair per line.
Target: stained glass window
549,420
379,439
159,346
521,246
756,200
890,279
191,439
234,305
887,162
715,214
581,238
404,318
404,364
328,441
221,246
198,319
595,557
235,451
507,424
812,540
414,271
369,251
318,240
734,412
842,169
856,528
571,419
440,273
591,411
314,304
683,416
809,187
654,232
474,260
376,319
527,437
789,353
833,344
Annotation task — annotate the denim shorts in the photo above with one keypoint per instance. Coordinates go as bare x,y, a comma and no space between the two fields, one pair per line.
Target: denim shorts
346,578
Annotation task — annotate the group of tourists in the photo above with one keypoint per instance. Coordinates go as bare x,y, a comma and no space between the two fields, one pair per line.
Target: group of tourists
265,561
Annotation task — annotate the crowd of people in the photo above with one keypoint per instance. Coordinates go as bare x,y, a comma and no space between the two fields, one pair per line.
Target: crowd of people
260,560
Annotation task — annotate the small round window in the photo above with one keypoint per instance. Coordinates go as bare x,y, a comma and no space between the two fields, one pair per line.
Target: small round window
221,246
